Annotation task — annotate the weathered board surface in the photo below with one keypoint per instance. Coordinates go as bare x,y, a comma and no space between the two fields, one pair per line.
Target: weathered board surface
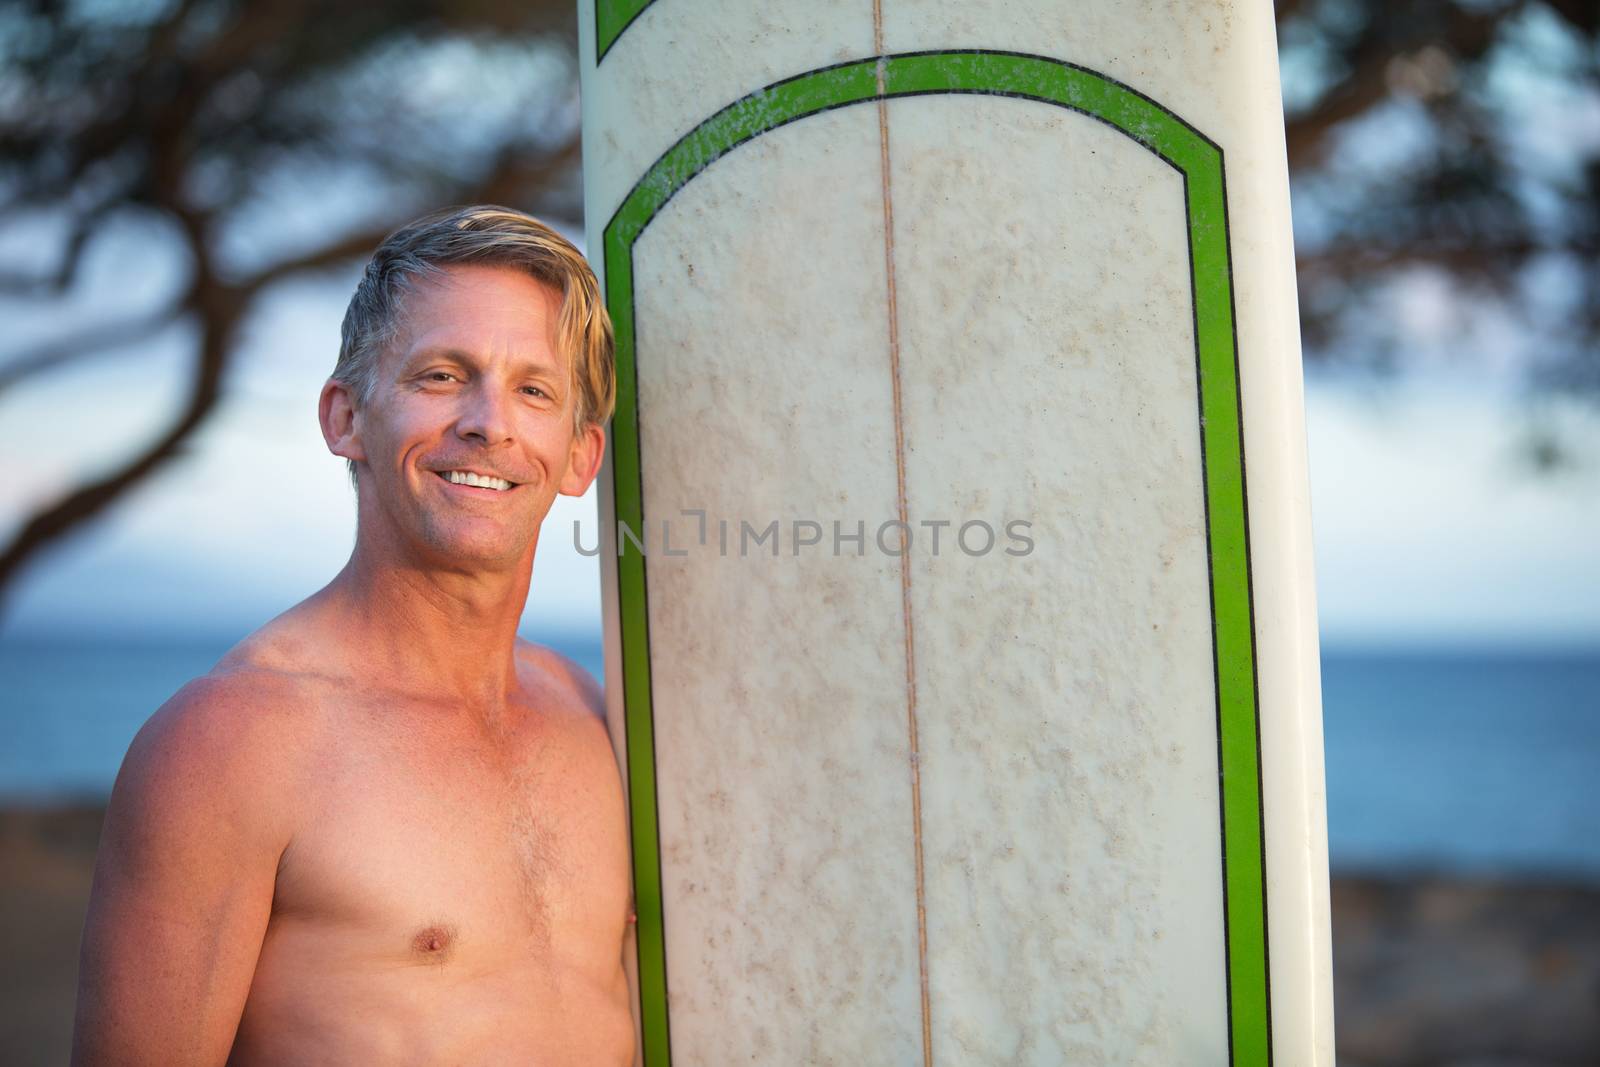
1029,772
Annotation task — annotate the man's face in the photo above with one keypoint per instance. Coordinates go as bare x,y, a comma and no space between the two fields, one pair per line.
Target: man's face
473,390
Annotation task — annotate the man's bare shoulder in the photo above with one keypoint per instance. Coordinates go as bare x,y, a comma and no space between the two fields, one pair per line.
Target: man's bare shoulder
567,703
563,694
232,718
547,672
293,650
205,807
213,776
246,703
242,729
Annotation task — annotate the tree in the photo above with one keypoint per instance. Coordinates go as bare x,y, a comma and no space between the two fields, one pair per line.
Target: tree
1403,131
192,112
1453,144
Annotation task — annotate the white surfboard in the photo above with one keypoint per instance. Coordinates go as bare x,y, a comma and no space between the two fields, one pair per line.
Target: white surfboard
967,699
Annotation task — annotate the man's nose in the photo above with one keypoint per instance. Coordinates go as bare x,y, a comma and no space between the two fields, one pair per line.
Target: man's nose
486,417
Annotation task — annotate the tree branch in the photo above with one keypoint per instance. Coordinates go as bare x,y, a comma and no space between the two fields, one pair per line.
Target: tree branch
58,281
149,110
90,500
97,340
1464,35
510,179
1477,258
220,308
515,173
341,251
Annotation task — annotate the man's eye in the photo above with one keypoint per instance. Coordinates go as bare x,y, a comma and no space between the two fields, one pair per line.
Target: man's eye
534,390
441,376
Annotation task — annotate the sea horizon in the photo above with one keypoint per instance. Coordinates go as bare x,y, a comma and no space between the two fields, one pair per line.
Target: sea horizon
1449,760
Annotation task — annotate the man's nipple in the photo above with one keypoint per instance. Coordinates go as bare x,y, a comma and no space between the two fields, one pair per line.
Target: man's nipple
434,943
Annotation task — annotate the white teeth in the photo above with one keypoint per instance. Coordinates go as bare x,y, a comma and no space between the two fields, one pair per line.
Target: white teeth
481,481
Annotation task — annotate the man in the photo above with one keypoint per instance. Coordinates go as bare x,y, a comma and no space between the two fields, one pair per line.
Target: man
383,830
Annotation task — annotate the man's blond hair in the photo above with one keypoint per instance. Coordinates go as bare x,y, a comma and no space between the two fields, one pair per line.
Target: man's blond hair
482,235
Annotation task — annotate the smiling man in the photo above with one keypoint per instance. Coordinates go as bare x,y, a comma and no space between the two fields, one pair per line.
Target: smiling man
383,829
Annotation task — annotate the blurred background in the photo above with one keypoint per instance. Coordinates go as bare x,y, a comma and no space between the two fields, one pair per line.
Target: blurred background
187,189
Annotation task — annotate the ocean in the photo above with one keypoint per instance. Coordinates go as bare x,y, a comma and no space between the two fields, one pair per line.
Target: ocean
1448,762
1483,763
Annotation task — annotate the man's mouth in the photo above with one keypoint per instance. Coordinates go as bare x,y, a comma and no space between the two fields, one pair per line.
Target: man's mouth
476,480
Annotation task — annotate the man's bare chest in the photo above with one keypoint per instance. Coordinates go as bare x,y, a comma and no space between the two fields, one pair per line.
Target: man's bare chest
428,850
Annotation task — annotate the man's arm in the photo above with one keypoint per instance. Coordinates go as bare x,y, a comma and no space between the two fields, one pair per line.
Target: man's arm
183,883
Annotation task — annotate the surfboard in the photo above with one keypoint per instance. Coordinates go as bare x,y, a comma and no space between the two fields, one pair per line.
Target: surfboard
960,634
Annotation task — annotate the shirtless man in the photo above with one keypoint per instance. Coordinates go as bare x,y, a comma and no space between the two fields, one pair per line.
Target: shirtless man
383,830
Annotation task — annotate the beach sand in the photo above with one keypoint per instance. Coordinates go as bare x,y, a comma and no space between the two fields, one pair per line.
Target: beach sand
1428,971
46,861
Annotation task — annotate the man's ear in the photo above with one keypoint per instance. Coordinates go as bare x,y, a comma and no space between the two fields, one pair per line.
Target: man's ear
588,449
336,410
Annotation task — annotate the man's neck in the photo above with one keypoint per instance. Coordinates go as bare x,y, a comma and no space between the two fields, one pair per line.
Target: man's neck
437,631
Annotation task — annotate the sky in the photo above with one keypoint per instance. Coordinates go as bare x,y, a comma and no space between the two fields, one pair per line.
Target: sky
255,516
1430,527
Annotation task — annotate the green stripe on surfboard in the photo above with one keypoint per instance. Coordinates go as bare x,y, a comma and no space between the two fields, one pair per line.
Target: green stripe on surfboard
611,17
1200,162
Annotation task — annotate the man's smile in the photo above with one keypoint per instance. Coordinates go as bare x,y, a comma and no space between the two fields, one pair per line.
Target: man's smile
476,480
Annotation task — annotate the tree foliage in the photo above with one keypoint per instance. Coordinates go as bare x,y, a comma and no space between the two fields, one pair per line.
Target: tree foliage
200,113
1448,150
1421,144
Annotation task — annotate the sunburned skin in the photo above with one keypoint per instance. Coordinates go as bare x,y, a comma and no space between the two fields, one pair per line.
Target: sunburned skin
453,893
383,830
